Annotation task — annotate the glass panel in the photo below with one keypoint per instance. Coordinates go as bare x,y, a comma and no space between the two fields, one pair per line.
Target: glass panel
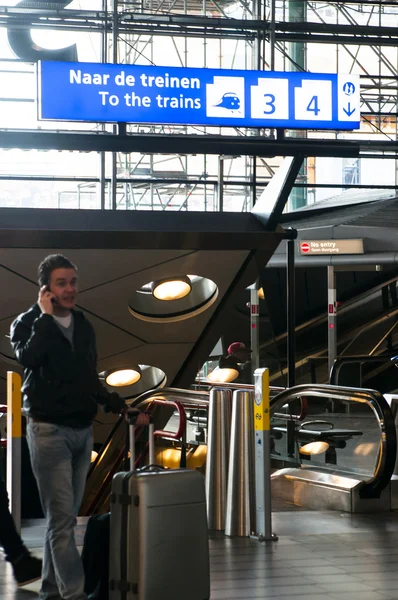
331,435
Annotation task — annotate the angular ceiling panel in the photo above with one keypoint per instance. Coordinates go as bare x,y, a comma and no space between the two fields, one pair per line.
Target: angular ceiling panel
111,300
96,267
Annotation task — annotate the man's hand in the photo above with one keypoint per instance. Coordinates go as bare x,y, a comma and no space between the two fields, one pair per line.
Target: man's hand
139,418
45,301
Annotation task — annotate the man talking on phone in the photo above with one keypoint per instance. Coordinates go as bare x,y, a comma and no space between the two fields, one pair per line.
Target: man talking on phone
56,346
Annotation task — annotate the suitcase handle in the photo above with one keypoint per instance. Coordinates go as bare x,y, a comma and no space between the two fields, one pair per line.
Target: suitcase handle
144,419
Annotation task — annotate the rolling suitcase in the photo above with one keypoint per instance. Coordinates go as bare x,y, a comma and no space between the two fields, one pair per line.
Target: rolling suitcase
159,540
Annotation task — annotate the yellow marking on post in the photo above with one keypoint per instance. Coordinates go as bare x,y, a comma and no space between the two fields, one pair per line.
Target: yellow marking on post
262,420
14,404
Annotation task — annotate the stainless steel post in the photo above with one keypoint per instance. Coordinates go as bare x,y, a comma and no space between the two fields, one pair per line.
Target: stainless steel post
262,444
240,511
151,436
218,436
14,434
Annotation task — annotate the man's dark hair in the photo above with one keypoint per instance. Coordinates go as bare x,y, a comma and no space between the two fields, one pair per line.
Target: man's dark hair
49,264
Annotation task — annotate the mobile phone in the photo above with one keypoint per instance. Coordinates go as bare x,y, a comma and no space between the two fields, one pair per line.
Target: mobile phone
53,300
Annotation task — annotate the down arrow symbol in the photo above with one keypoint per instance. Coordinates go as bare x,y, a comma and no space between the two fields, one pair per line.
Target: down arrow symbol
349,112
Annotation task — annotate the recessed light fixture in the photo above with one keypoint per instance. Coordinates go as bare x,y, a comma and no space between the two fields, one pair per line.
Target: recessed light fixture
128,384
123,377
313,448
172,299
172,288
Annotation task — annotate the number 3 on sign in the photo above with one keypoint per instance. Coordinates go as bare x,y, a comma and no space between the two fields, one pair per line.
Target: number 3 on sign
269,99
269,104
313,100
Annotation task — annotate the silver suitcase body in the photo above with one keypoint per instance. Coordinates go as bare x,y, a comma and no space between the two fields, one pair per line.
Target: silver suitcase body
159,546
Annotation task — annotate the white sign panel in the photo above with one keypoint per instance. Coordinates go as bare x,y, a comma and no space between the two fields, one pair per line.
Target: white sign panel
311,247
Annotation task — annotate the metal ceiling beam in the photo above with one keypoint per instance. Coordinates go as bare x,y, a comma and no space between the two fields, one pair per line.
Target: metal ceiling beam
373,258
194,26
80,228
269,207
181,144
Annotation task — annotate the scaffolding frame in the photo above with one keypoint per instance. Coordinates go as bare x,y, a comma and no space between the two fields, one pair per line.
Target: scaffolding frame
263,34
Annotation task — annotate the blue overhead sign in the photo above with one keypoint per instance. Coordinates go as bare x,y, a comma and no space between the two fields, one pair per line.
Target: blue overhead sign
185,96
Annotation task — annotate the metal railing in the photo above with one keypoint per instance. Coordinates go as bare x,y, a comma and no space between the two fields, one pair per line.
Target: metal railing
377,403
341,361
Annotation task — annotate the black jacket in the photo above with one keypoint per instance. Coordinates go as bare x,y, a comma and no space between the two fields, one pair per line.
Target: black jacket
60,383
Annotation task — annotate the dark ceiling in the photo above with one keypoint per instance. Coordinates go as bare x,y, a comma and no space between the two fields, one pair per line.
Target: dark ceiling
117,253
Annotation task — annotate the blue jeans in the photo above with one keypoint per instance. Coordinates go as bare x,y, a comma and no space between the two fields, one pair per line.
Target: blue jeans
60,460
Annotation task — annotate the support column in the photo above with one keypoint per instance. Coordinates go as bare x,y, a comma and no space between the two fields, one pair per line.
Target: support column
115,27
332,318
254,327
291,308
297,52
220,183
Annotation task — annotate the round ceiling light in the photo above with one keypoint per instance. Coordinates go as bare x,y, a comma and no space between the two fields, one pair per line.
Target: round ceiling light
173,298
172,288
123,377
150,378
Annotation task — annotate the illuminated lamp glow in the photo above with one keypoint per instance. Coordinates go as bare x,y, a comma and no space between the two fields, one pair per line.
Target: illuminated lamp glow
94,455
226,371
314,448
261,294
173,288
123,377
365,449
223,375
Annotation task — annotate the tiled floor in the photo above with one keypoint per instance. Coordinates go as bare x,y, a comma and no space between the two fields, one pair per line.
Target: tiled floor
319,556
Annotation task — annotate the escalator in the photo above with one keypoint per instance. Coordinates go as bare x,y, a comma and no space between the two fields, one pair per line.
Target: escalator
349,462
366,325
339,454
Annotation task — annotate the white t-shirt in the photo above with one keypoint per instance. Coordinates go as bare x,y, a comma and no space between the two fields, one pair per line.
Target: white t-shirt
64,321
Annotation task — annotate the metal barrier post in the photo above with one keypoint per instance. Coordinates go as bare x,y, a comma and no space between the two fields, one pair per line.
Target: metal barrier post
240,509
14,434
262,444
218,437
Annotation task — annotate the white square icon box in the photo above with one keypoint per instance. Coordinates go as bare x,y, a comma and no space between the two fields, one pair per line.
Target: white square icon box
269,99
313,100
225,97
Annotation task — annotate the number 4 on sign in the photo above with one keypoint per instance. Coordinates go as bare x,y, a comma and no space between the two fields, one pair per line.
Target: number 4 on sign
313,105
313,100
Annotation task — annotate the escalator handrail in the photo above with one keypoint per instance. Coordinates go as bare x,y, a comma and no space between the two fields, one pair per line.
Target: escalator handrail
192,395
182,423
348,305
357,359
382,411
